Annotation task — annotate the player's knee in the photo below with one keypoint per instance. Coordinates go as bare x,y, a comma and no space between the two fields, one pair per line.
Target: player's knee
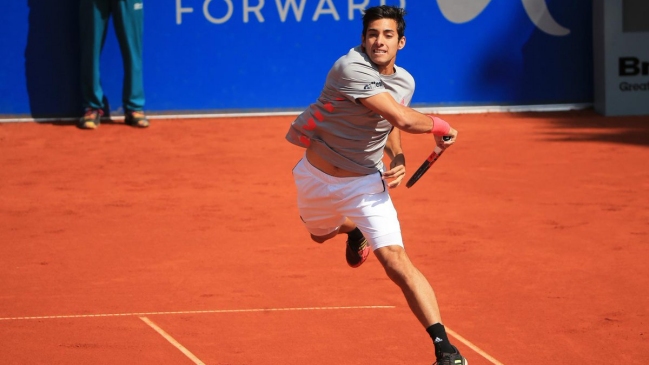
396,263
397,272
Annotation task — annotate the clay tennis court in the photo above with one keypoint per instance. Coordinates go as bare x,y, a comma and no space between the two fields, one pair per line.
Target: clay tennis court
181,244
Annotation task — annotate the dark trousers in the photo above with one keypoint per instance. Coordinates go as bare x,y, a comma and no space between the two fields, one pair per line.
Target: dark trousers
128,19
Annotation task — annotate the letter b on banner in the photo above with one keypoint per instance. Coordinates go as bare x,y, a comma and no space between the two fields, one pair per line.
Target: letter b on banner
631,66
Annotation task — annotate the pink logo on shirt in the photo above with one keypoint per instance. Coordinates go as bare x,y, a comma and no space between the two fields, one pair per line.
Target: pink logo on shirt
305,141
318,116
310,124
329,107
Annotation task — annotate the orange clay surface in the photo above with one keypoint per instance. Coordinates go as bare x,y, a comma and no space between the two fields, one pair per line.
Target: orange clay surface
533,229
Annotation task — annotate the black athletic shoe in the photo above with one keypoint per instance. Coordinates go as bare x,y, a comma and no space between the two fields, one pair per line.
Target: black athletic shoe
356,252
451,359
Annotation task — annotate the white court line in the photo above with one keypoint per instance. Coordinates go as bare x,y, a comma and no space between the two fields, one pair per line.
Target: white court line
199,312
144,314
473,347
171,340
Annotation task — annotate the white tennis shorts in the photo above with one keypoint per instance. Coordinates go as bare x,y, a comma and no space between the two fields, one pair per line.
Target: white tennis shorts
324,201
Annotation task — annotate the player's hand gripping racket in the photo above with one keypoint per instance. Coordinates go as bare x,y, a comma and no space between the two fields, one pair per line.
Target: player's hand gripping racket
437,152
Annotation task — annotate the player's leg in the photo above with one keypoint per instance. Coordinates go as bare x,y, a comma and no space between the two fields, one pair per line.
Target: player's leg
93,24
357,248
320,215
420,297
375,215
415,287
128,20
346,227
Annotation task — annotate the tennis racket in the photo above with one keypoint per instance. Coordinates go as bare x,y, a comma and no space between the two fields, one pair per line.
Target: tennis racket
437,152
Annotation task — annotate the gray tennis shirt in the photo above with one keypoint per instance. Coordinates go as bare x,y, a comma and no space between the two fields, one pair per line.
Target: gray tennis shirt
338,127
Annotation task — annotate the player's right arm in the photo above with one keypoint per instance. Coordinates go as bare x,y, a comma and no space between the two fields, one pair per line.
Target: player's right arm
403,117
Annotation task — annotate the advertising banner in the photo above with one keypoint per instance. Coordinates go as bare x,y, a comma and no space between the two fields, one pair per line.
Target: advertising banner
621,57
205,56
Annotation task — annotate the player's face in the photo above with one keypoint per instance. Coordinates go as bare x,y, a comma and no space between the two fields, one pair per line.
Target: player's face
381,43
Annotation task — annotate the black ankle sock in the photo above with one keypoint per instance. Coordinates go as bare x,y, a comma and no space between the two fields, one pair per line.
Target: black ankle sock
355,235
438,334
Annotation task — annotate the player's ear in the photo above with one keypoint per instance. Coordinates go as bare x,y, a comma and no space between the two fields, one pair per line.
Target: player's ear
402,42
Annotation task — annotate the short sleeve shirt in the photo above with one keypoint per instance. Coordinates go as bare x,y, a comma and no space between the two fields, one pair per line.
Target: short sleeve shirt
338,127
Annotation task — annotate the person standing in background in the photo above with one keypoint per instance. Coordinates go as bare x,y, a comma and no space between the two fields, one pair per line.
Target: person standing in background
128,19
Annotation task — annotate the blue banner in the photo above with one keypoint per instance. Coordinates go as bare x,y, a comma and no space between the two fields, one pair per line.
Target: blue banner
263,55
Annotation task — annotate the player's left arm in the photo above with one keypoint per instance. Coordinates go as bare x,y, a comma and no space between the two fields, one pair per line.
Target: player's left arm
393,149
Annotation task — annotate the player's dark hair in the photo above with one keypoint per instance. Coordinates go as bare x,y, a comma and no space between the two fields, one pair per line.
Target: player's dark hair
385,12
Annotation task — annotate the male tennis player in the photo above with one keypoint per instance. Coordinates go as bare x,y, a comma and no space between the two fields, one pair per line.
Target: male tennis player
341,182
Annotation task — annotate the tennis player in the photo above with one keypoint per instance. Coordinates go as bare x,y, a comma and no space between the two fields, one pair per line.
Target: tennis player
342,185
